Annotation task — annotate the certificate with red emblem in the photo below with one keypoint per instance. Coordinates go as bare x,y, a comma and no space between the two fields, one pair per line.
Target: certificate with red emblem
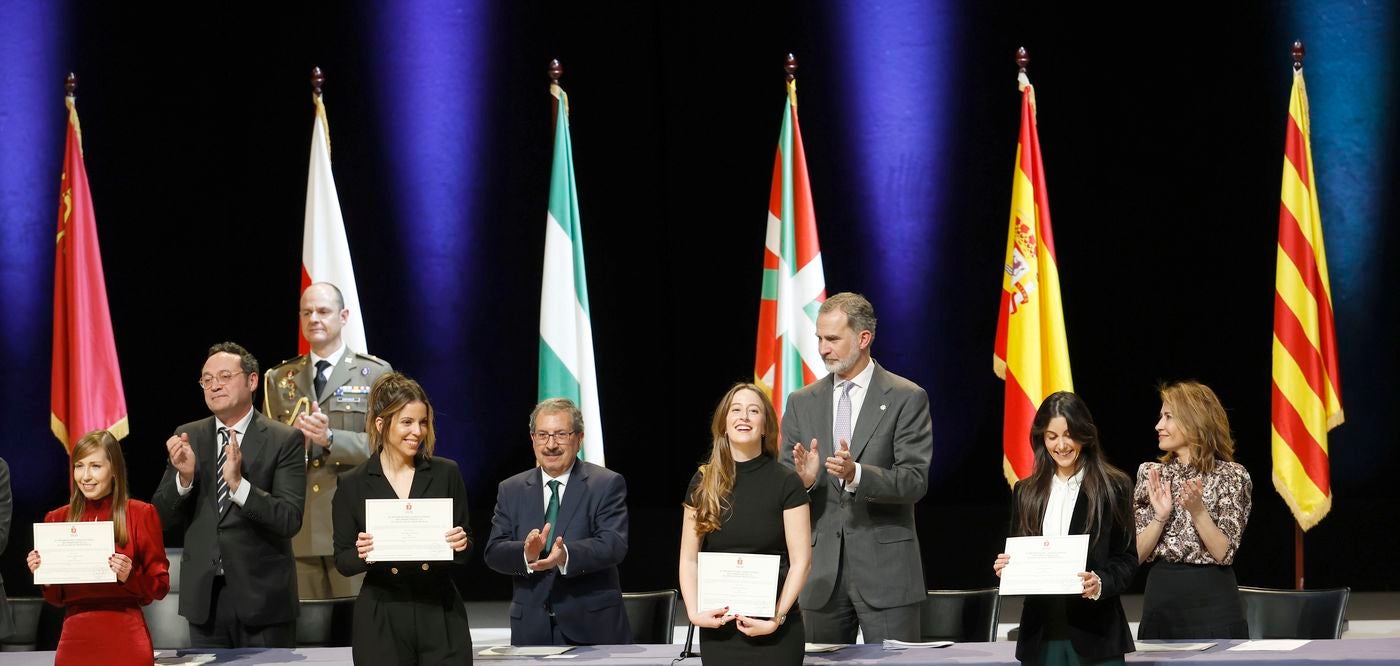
746,583
1045,565
409,530
74,552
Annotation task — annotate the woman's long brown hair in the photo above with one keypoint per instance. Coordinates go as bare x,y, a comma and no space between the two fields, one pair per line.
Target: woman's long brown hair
710,499
1101,483
101,440
1202,421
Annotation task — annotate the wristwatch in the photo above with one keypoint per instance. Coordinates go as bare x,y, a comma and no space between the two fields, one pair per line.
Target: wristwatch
781,619
330,437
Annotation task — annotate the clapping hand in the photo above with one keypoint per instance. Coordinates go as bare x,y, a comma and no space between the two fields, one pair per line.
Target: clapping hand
314,425
557,557
233,463
181,457
1160,493
1191,497
805,461
840,465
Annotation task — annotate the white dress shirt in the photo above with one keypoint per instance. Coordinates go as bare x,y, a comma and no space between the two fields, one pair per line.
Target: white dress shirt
563,480
860,385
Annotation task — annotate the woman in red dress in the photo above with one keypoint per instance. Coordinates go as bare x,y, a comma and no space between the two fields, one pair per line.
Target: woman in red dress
104,624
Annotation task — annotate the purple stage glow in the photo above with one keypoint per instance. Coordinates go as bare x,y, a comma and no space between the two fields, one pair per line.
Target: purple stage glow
31,157
897,59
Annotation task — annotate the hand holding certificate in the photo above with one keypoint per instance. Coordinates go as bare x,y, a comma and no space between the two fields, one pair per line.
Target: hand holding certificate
74,553
746,584
1045,565
409,529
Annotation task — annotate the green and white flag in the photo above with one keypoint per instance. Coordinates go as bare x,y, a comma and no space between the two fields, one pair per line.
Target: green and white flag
566,331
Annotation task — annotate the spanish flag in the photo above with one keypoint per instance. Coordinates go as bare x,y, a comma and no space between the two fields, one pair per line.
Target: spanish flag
1307,398
1031,354
86,381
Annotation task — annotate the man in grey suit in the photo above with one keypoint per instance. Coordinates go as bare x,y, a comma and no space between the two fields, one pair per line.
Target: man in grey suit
861,440
234,487
325,395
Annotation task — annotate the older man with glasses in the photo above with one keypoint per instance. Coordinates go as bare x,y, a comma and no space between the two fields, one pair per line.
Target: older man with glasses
559,532
235,484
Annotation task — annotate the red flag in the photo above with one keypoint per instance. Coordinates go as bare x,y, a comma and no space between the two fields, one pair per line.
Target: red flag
87,382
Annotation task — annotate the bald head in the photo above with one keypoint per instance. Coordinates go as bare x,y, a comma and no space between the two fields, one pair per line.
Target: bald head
323,314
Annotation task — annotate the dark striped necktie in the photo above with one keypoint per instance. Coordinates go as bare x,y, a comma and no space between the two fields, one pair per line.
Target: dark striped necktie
219,470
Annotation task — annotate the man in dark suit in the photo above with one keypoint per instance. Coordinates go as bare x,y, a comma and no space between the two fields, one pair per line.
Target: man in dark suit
235,483
325,395
861,440
559,532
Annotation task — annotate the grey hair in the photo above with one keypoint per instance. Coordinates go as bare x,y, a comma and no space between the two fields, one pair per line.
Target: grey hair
860,314
556,405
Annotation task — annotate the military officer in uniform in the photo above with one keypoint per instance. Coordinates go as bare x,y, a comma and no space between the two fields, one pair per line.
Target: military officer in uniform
323,394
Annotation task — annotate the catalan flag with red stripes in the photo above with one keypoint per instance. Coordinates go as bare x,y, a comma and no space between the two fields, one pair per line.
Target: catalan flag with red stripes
794,285
1032,353
1307,397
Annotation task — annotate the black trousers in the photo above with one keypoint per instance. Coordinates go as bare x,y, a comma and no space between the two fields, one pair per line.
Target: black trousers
411,618
225,630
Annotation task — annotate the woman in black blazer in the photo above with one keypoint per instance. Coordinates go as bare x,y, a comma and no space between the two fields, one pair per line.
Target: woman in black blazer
1073,490
407,612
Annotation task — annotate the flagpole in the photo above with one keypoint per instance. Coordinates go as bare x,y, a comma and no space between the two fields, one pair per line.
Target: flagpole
317,81
1298,52
556,72
1023,59
790,66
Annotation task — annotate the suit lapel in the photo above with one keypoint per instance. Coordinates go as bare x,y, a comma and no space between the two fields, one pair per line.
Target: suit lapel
534,506
828,426
1080,514
872,410
422,476
575,494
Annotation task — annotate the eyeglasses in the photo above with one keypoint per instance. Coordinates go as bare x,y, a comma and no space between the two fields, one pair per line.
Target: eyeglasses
207,382
544,437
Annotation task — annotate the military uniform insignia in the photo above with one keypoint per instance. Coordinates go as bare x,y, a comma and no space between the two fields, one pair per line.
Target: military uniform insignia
288,385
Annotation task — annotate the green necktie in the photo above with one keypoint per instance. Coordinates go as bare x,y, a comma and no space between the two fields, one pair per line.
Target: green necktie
551,515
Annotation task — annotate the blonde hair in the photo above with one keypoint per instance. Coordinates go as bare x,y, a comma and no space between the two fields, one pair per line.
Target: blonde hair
387,397
1202,421
710,499
101,440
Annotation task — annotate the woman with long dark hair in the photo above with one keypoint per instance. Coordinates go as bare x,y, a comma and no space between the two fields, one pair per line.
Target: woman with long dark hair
407,612
1074,490
104,623
1191,507
744,501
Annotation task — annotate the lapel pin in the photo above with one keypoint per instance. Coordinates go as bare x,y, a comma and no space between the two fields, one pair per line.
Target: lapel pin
882,408
364,372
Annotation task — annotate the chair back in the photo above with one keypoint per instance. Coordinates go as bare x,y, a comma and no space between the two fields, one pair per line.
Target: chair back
1309,614
37,626
325,622
651,615
962,616
169,630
